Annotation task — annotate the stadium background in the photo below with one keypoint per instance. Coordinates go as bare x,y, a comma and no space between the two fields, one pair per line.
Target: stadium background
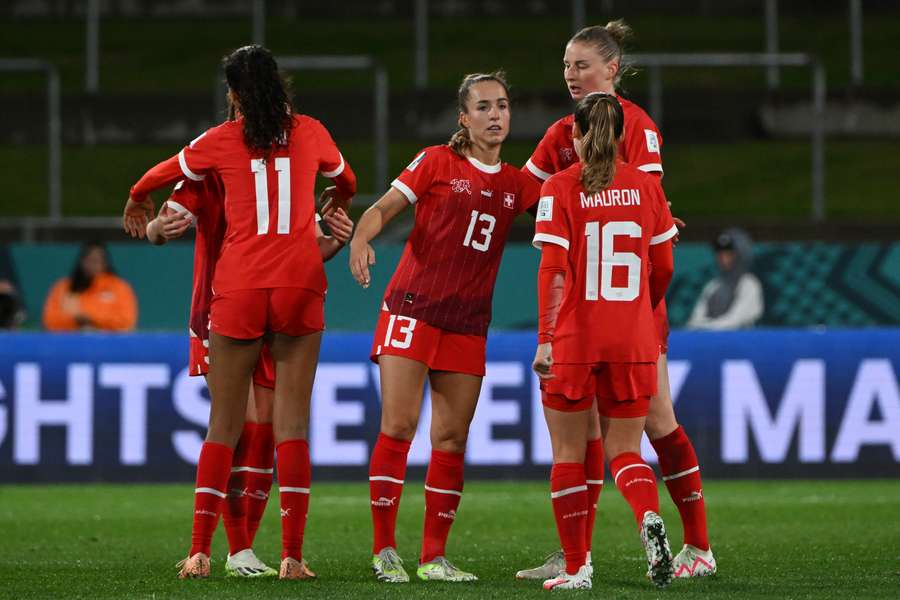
813,394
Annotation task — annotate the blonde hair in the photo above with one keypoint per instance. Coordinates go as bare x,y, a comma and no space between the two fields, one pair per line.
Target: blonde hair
600,120
609,41
461,141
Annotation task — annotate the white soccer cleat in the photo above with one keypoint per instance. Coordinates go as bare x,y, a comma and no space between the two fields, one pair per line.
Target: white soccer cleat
246,564
554,564
579,581
694,562
659,556
388,567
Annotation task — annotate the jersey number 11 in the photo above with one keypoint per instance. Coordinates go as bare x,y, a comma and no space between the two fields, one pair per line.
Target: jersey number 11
283,168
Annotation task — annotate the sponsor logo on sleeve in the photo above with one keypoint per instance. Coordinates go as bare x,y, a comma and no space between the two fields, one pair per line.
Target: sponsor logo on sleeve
415,163
566,154
652,141
545,209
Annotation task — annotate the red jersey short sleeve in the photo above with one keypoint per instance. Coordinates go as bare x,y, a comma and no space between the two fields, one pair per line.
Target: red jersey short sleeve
665,228
642,143
551,225
606,289
418,176
529,192
463,212
202,154
554,152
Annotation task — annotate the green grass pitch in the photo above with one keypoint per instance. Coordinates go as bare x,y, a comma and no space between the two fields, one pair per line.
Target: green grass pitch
798,539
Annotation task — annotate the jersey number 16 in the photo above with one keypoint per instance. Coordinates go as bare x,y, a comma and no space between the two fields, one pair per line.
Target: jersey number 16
601,267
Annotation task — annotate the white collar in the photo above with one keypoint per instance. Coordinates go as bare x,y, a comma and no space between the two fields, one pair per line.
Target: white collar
483,167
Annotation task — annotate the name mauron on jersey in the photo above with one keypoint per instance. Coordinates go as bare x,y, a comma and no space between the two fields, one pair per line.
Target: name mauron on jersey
613,197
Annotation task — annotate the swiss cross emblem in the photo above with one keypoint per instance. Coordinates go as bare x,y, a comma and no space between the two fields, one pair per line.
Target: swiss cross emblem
566,154
509,200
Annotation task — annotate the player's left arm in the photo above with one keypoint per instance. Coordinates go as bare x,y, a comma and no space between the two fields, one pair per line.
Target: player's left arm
332,165
662,261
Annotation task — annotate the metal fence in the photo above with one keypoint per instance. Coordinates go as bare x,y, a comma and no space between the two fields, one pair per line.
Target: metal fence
655,62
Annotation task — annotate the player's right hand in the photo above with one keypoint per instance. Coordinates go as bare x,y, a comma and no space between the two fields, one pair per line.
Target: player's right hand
362,255
136,216
543,361
331,199
172,225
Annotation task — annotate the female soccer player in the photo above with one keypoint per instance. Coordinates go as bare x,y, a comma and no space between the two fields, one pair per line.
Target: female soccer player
251,471
605,232
269,281
436,312
594,62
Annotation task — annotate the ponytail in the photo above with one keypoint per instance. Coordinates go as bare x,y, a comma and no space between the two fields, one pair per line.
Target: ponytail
460,142
600,120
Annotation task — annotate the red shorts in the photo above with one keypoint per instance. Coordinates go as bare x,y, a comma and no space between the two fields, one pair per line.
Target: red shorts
622,390
249,314
263,375
661,320
439,349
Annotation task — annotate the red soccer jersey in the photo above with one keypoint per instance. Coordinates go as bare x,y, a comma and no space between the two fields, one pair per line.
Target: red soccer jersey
270,238
206,198
640,147
605,314
464,210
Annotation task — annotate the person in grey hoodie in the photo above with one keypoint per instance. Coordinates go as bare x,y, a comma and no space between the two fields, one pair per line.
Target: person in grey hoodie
734,299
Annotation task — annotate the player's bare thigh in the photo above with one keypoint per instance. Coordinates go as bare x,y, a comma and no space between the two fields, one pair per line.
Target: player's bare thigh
402,386
295,359
453,400
622,435
231,367
661,418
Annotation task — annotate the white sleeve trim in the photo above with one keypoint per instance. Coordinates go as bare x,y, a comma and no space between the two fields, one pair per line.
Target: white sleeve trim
336,172
543,175
664,237
318,217
187,172
651,168
540,238
179,208
405,190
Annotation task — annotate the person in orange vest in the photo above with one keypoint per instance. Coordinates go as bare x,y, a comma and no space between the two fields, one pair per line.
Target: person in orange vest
92,297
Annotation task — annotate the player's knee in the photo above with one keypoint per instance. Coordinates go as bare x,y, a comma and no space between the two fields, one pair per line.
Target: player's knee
399,429
290,431
455,444
660,423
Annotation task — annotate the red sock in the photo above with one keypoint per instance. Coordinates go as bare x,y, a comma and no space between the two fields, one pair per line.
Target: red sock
294,475
260,459
387,469
234,514
213,469
637,482
569,495
681,473
443,491
593,471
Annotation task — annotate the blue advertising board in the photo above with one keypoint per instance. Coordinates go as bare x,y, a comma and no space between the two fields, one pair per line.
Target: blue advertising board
768,403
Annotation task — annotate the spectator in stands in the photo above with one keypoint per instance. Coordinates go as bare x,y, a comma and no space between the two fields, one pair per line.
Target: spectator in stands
12,313
734,299
92,297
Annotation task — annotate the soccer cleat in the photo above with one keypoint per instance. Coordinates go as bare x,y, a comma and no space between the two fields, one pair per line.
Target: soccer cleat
554,564
292,568
579,581
659,556
441,569
694,562
246,564
194,567
388,567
